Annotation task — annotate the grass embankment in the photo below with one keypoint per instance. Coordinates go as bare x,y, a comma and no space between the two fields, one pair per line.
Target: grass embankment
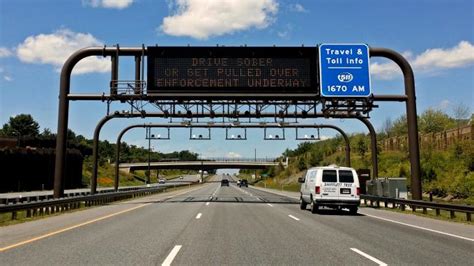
447,174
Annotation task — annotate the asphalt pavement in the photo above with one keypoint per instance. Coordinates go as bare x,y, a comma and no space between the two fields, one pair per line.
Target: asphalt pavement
213,225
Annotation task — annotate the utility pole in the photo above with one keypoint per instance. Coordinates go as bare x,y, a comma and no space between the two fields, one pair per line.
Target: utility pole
148,133
255,158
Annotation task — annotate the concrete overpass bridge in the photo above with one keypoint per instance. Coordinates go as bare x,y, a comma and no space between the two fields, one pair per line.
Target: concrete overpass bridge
207,164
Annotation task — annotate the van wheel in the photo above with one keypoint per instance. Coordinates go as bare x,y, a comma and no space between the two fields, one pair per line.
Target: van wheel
314,207
302,204
353,210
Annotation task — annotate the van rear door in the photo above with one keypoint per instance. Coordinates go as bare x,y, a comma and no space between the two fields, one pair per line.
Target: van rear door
329,186
347,187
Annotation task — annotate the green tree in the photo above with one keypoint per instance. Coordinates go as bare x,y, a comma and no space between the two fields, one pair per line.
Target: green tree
361,146
461,113
301,164
432,121
47,133
399,127
20,126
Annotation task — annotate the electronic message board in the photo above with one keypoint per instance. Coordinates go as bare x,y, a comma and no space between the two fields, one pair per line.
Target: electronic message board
236,70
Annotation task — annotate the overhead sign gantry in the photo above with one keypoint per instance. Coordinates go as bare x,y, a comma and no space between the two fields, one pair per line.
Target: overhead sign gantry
235,83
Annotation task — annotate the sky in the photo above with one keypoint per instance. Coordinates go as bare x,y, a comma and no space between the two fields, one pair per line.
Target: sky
37,36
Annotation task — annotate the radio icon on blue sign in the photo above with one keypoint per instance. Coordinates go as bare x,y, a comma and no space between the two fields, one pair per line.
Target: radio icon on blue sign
344,70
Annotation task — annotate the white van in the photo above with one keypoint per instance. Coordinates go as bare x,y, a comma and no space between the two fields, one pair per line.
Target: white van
331,186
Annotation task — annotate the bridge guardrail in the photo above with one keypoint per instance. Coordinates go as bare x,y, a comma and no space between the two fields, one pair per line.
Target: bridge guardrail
240,159
418,204
51,206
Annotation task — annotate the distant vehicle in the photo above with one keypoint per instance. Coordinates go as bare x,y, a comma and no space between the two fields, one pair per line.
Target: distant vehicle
181,177
161,181
332,186
243,183
238,183
224,182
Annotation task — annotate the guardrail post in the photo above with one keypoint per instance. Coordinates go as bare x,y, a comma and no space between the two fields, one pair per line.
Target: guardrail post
438,212
28,213
452,215
14,215
468,216
402,207
424,210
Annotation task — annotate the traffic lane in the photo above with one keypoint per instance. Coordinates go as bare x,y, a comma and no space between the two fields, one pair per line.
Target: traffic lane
238,218
449,227
397,243
394,242
201,195
233,193
20,232
253,234
139,237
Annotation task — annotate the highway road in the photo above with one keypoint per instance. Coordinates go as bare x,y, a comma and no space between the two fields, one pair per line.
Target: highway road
213,225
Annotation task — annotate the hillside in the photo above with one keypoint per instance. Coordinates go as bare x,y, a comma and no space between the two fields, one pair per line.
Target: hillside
447,170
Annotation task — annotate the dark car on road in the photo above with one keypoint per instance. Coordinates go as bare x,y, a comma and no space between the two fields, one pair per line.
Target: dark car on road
243,183
224,182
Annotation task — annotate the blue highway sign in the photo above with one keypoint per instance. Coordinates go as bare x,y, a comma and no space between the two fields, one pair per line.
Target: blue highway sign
344,70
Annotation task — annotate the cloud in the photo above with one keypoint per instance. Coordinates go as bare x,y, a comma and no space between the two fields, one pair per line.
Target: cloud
384,71
430,60
55,48
117,4
201,19
458,56
298,8
5,52
444,104
233,155
324,137
285,33
6,76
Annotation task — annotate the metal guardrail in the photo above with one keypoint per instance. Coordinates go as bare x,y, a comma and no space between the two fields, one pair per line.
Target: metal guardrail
51,206
24,199
374,201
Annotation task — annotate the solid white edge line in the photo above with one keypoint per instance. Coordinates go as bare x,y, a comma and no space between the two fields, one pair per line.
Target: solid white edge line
293,217
171,256
199,215
422,228
269,205
379,262
397,222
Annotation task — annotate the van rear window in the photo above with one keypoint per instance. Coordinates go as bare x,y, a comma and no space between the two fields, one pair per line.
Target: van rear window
329,176
346,176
